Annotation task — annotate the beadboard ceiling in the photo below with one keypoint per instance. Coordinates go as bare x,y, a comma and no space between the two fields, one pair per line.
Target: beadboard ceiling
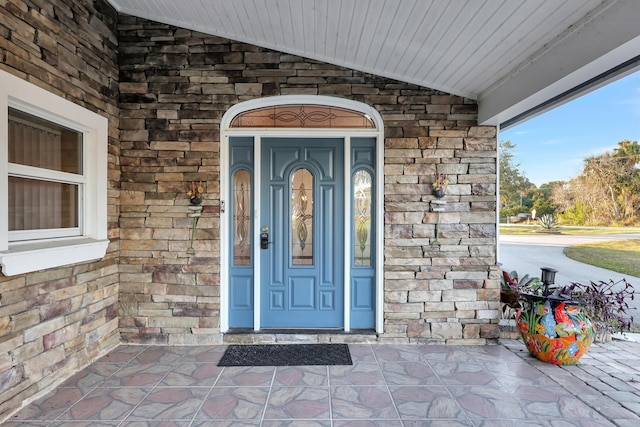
511,55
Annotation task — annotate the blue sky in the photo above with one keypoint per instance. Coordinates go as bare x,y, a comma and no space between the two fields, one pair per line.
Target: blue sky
551,146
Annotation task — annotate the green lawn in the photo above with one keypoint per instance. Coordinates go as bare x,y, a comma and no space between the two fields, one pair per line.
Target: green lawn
533,229
622,256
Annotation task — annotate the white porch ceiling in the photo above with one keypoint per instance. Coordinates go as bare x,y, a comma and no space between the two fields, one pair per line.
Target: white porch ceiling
510,55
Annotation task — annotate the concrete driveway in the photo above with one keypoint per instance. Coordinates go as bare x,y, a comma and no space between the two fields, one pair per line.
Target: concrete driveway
526,254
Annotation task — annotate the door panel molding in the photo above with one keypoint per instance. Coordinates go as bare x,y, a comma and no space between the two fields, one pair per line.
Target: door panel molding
310,214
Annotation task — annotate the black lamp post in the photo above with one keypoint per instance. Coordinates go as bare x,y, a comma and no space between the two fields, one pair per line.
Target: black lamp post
548,278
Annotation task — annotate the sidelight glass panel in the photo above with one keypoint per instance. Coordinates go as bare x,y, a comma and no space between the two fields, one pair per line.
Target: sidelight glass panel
302,217
241,218
362,218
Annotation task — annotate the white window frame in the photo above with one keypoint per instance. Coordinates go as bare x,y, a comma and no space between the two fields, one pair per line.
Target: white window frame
45,251
50,175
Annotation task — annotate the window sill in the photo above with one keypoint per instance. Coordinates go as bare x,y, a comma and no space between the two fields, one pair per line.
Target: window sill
33,256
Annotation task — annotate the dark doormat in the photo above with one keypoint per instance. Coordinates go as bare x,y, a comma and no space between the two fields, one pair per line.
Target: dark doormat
286,355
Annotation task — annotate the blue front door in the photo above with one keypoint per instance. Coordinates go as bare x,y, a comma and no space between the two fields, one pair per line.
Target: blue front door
302,225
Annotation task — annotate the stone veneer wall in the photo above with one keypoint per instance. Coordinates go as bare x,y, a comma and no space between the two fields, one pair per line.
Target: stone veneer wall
56,321
176,85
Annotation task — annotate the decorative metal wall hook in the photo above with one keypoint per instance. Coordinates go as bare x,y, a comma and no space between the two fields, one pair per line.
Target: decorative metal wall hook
437,206
194,212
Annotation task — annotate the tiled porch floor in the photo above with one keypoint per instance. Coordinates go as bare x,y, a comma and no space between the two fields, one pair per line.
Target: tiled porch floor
386,386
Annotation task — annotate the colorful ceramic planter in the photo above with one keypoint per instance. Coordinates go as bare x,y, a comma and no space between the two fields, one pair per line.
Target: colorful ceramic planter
554,330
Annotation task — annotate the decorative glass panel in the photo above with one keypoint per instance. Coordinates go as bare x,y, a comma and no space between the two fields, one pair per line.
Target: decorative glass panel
241,218
302,116
302,217
362,218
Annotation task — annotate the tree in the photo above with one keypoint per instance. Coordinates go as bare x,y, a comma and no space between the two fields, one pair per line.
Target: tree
628,183
542,200
606,192
515,188
628,150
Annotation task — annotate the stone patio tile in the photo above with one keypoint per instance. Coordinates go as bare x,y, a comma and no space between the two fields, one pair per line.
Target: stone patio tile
425,402
387,385
170,403
362,402
617,384
310,376
617,411
482,402
234,403
357,374
298,403
246,376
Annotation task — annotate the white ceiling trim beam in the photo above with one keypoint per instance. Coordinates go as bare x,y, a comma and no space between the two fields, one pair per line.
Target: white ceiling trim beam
608,38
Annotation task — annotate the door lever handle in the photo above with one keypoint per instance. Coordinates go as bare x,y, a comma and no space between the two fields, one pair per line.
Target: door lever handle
264,237
264,240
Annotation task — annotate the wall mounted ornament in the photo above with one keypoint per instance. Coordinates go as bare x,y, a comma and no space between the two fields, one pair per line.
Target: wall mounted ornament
440,185
196,196
196,193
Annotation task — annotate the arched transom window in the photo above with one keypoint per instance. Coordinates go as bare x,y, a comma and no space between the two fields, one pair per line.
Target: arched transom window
302,116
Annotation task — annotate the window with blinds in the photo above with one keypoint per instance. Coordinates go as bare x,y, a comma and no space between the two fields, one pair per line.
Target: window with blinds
45,178
53,179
